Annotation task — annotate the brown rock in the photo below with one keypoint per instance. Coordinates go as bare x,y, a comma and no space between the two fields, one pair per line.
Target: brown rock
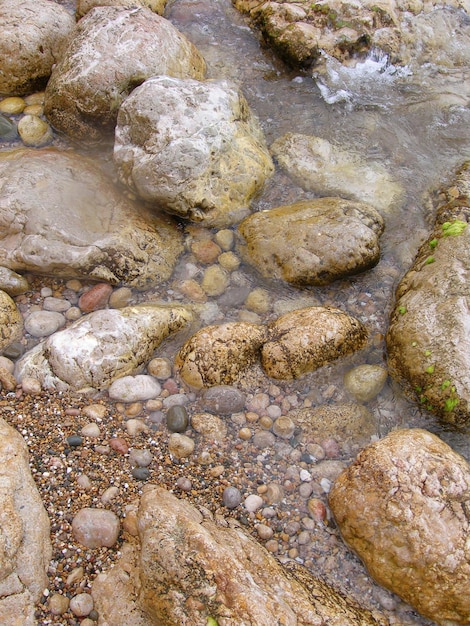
403,507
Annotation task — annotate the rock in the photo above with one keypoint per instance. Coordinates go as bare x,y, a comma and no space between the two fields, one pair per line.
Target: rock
95,528
177,419
81,604
316,165
95,298
210,426
223,399
193,148
43,323
25,543
365,382
34,131
11,321
111,51
215,280
12,105
34,33
231,497
283,427
134,388
180,446
83,6
218,355
12,283
306,339
184,556
305,243
428,343
160,368
402,506
101,347
253,502
100,236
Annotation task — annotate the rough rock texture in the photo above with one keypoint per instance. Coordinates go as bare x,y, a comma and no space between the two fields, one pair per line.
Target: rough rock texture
25,547
59,215
193,148
317,165
403,506
83,6
312,242
11,321
191,569
113,49
428,340
306,339
34,33
101,347
218,355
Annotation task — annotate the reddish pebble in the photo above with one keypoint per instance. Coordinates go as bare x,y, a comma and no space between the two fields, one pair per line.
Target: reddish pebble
118,444
206,251
171,386
95,298
317,509
331,448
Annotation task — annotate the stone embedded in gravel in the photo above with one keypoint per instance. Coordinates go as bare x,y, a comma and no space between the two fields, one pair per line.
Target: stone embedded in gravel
184,483
231,497
223,399
55,304
141,473
180,446
95,528
215,280
30,385
43,323
176,399
263,439
58,603
177,419
95,298
253,502
91,430
135,426
7,380
274,493
210,426
160,368
283,427
74,441
134,388
81,605
95,411
140,458
365,382
119,445
317,509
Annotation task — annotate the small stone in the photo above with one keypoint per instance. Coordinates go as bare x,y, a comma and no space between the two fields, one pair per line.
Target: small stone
215,280
34,131
58,604
180,446
274,493
74,440
317,509
12,105
210,426
84,482
223,399
272,546
177,419
75,576
192,290
110,494
43,323
7,380
73,314
258,301
160,368
95,528
229,261
258,403
231,497
95,298
120,298
81,604
225,238
263,439
7,364
253,502
175,399
134,427
141,473
365,382
284,427
140,458
245,433
265,422
134,388
184,484
56,304
31,386
91,430
264,532
206,252
118,444
95,411
12,283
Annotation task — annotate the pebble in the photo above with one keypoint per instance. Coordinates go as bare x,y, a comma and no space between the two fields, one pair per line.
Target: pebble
84,482
12,105
73,314
206,252
180,446
274,493
263,439
8,129
264,531
223,399
231,497
140,457
229,261
141,473
134,388
55,304
119,444
253,502
177,419
81,605
44,323
134,427
58,604
95,528
7,380
258,301
284,427
317,509
160,368
210,426
365,382
110,494
120,298
7,364
91,430
74,441
95,298
12,283
95,411
215,280
174,400
34,131
184,484
224,238
258,403
245,433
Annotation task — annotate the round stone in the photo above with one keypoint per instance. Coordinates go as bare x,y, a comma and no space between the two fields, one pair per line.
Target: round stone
140,458
95,298
177,419
264,531
184,484
74,441
30,386
225,238
215,280
12,105
43,323
263,439
34,131
160,368
134,388
95,528
229,261
58,604
223,399
258,301
120,298
231,497
365,382
253,502
12,283
81,604
141,473
180,446
91,430
284,427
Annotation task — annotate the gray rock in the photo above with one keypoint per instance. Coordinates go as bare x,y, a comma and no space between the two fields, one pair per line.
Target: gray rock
63,217
43,323
134,388
428,342
25,546
193,148
11,321
34,33
402,506
112,50
101,347
223,399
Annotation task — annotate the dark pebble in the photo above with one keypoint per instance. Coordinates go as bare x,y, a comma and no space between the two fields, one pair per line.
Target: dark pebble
223,399
177,419
141,473
74,441
231,497
94,615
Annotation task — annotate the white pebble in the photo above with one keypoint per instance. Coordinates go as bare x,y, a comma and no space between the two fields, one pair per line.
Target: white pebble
91,430
81,605
253,503
305,476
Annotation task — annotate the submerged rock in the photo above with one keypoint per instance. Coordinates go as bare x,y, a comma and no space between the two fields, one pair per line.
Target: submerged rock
193,148
402,506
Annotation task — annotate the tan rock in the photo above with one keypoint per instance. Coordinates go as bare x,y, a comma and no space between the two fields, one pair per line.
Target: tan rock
365,381
306,339
34,131
402,506
83,6
11,321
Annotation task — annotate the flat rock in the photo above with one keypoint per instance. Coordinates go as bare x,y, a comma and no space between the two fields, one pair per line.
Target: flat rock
195,149
59,215
101,347
111,51
312,242
402,506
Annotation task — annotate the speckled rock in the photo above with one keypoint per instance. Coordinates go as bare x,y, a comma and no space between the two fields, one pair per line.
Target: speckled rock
365,381
218,355
403,507
316,165
83,6
306,244
210,426
95,528
306,339
195,149
428,343
101,347
24,533
112,50
183,555
11,321
34,33
101,236
180,446
34,131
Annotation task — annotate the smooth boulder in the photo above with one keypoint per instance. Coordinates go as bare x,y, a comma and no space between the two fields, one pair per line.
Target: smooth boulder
112,50
312,242
59,215
194,149
402,506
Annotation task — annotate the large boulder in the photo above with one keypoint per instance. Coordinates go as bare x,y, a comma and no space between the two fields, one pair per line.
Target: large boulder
59,215
312,242
34,33
317,165
189,570
428,340
11,321
112,50
101,347
402,506
25,546
83,6
195,149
